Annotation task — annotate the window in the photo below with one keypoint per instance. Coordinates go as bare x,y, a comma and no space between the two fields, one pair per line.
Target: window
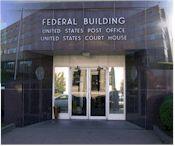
25,66
155,36
116,89
25,47
9,66
61,88
10,51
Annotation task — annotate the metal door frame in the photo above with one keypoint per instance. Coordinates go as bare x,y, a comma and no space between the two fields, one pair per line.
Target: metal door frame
88,97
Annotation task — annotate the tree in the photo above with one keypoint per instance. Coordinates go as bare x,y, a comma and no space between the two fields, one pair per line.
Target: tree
59,83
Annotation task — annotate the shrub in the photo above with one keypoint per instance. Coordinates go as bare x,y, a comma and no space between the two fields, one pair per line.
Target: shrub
166,113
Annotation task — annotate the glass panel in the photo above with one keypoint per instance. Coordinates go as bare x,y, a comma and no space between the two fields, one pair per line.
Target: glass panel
79,89
61,88
116,89
98,92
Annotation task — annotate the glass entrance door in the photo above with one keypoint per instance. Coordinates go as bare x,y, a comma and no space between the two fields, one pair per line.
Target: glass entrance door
88,93
97,93
79,93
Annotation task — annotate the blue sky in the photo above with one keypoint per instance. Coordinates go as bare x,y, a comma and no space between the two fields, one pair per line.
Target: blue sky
11,11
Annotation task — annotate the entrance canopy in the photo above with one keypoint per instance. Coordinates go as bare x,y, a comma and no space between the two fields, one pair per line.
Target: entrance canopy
88,27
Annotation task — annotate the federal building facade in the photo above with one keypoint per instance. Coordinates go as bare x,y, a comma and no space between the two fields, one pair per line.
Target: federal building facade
94,60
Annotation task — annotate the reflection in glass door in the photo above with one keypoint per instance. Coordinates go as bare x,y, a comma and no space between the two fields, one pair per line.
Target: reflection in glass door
97,92
116,93
61,91
88,93
79,92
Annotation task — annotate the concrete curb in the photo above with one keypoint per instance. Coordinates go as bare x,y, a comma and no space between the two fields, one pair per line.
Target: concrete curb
8,128
163,137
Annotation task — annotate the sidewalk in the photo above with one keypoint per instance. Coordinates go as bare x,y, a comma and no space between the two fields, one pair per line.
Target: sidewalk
81,132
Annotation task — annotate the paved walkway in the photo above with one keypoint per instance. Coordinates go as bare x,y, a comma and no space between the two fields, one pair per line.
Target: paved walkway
81,132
